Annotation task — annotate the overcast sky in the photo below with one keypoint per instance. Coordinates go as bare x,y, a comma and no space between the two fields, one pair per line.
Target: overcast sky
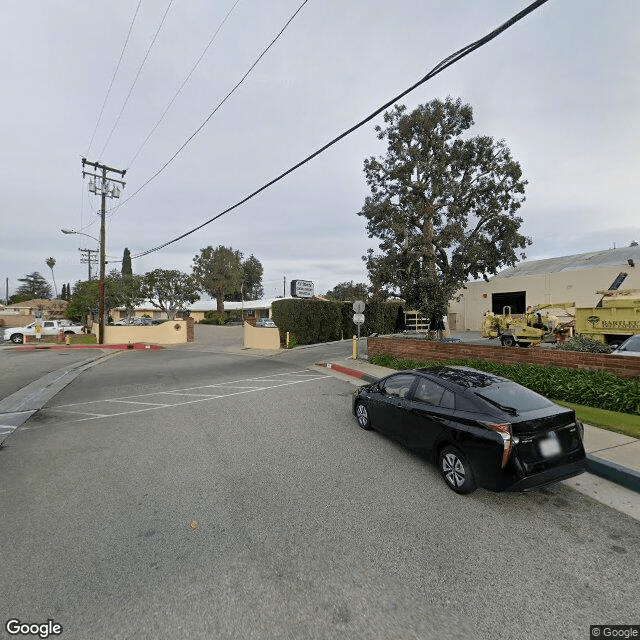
561,88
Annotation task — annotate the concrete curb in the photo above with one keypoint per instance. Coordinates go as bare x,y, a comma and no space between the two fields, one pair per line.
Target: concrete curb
617,473
350,372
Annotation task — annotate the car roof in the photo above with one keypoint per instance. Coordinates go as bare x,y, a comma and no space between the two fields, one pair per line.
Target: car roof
464,377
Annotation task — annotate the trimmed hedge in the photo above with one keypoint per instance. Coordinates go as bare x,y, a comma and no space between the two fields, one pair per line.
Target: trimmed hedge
310,321
598,389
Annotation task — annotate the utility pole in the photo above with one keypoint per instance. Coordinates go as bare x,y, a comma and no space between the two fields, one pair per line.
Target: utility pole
89,257
102,183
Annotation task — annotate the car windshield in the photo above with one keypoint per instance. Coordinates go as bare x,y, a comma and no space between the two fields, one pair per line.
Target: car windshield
511,397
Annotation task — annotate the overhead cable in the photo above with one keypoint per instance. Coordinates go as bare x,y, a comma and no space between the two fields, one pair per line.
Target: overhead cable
441,66
135,80
195,66
115,73
197,131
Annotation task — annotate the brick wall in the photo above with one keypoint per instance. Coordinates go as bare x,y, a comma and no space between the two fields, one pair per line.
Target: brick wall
190,330
427,350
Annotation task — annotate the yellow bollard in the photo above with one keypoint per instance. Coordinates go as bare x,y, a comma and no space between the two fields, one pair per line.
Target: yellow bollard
354,348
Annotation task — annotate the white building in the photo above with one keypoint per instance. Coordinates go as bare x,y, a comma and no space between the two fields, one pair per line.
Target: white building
576,278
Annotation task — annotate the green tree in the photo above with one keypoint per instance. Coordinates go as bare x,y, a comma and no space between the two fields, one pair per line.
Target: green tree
85,299
128,290
253,271
251,281
127,269
442,205
218,272
16,298
51,262
169,290
349,291
34,286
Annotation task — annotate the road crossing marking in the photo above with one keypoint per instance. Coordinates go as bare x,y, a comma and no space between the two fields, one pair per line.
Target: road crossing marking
264,383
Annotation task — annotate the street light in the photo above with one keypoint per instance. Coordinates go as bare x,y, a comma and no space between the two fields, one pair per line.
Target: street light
85,253
78,233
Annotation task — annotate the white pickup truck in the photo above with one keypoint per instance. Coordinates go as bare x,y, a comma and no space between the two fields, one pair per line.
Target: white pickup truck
49,328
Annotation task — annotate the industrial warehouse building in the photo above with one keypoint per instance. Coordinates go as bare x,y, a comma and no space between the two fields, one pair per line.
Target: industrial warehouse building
576,279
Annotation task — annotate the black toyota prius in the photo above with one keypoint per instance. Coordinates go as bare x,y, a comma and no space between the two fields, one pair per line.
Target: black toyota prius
481,429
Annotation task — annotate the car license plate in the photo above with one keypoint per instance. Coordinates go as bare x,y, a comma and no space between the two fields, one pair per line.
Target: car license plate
550,446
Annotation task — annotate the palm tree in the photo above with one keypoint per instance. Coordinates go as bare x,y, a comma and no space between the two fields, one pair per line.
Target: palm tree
51,262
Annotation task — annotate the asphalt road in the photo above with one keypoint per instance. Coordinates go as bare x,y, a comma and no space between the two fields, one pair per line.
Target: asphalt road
198,493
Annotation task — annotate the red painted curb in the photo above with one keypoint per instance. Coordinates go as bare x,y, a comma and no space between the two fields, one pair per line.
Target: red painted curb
349,372
135,345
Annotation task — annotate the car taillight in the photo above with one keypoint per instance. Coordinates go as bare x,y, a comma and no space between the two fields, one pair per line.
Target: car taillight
504,429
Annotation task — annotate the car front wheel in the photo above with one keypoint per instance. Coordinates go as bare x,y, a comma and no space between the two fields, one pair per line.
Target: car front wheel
456,470
362,415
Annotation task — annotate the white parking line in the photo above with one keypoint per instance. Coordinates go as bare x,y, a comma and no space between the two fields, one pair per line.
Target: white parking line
75,408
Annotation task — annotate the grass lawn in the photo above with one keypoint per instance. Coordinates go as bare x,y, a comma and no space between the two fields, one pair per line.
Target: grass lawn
626,423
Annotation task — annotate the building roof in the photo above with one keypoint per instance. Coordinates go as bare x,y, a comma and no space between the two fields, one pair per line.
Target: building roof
39,303
595,260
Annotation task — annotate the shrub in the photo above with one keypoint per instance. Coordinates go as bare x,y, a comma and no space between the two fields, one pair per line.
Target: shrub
585,345
598,389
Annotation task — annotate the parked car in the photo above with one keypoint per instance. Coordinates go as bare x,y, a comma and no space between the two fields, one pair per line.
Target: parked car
142,322
265,322
630,347
47,328
481,429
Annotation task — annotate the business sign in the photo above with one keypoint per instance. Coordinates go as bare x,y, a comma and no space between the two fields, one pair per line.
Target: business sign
302,289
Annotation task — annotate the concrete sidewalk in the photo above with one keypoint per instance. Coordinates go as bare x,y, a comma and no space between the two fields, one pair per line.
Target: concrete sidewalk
610,455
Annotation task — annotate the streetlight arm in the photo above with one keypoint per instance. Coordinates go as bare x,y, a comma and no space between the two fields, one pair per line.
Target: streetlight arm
78,233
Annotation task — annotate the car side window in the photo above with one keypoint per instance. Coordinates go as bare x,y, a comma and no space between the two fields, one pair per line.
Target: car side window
398,386
48,324
429,392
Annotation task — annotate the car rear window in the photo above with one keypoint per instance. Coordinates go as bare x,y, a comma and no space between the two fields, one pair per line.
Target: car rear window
632,344
510,395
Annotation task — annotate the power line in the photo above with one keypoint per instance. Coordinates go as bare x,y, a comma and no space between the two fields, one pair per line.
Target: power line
135,80
93,135
441,66
197,131
195,66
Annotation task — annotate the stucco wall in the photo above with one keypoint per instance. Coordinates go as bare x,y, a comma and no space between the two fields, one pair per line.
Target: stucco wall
578,285
429,350
261,337
170,332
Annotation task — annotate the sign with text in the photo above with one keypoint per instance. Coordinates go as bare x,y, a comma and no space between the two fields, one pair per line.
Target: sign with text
302,289
358,318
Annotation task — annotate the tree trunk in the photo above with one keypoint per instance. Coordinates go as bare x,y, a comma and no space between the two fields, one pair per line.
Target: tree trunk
220,300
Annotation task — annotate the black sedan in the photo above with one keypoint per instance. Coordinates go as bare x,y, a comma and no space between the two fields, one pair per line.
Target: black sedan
481,429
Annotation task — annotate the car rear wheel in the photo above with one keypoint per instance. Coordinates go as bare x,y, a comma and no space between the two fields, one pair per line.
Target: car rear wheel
456,470
16,338
362,415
